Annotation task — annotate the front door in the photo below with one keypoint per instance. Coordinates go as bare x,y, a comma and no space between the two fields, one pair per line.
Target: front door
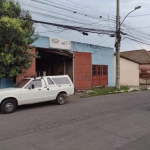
29,95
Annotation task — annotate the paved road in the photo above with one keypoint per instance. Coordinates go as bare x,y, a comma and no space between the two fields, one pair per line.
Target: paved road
112,122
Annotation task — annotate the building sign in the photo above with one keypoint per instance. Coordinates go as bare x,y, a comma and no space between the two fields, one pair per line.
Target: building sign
60,43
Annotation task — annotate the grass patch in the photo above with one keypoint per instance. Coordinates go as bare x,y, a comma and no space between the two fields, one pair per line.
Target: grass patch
106,90
144,89
124,87
135,90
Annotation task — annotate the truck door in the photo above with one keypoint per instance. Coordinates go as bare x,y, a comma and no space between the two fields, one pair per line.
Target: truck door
31,95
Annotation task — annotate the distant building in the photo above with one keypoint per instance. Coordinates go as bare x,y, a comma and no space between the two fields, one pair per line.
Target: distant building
129,71
141,57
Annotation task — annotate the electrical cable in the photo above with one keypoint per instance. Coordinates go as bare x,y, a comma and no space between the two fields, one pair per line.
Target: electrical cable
80,29
104,40
49,5
71,8
131,44
140,15
53,31
66,7
60,14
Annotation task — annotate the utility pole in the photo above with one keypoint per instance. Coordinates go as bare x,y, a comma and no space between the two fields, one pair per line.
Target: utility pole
117,45
118,41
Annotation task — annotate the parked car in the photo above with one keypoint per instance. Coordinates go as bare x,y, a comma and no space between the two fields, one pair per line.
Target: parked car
35,90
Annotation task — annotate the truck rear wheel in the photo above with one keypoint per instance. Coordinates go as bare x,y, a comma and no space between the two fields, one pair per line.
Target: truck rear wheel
8,106
61,99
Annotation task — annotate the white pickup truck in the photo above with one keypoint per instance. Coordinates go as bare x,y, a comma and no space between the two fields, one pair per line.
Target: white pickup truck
35,90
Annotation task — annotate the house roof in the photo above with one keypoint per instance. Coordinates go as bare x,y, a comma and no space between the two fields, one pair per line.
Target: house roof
140,56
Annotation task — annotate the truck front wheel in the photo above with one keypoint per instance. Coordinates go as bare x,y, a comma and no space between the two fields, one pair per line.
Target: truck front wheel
61,99
8,106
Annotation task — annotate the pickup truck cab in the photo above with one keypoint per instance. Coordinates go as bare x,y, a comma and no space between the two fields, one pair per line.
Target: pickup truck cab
35,90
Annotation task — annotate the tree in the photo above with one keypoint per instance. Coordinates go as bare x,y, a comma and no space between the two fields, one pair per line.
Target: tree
16,34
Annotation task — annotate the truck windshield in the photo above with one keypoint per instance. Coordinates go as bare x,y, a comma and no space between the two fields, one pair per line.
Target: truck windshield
22,83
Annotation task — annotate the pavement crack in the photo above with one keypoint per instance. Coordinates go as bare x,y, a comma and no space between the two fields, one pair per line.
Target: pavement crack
34,146
112,132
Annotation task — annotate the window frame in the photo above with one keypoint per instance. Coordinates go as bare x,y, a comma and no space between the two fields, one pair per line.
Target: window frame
54,78
99,70
26,87
51,81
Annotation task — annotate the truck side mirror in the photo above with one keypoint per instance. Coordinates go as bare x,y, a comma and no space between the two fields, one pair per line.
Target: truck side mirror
32,86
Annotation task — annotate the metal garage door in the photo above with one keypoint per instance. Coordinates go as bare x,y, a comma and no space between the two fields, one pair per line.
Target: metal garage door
82,70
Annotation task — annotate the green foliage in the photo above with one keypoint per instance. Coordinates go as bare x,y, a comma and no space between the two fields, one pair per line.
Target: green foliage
124,87
16,34
144,89
107,90
102,91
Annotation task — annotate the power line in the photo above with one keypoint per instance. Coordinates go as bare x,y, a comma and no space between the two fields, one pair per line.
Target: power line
131,44
143,27
53,31
137,41
63,19
133,32
140,15
64,9
137,33
134,27
72,8
104,40
96,11
80,29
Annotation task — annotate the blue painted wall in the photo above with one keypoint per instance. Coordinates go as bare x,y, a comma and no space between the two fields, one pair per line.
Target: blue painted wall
42,42
6,83
100,56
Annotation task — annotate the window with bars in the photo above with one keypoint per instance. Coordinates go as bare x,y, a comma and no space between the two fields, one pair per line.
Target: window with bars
99,70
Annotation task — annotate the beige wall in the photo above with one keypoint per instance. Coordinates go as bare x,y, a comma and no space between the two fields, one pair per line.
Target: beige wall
142,81
129,72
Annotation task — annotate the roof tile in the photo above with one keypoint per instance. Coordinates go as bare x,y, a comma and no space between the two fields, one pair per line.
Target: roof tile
141,56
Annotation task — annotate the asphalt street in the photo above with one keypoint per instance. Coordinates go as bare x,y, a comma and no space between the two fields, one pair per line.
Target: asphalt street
111,122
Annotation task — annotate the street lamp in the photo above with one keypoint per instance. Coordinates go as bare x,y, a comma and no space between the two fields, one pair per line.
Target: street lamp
138,7
118,40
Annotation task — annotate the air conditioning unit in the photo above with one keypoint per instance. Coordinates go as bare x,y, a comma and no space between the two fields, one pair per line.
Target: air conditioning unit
40,73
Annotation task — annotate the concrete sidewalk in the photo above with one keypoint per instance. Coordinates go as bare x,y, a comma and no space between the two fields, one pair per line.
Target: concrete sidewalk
84,93
139,87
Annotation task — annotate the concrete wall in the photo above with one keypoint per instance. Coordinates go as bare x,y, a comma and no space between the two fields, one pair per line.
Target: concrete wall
100,56
129,72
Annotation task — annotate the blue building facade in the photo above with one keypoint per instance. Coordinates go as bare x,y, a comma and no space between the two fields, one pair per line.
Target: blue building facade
100,55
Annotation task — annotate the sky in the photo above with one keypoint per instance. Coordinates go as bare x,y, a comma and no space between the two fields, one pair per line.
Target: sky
139,20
